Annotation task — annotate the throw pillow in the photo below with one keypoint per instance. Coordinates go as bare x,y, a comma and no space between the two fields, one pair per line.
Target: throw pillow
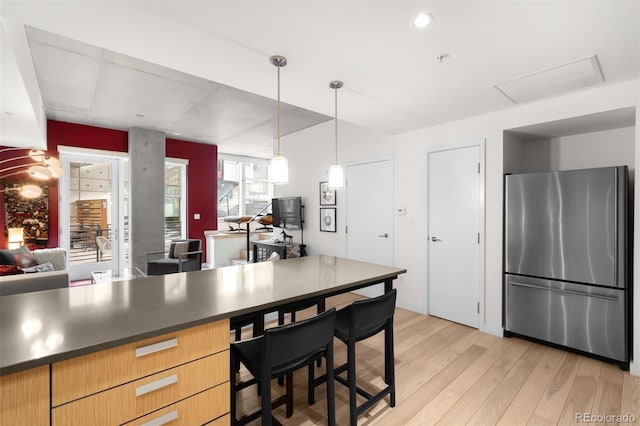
42,267
180,248
57,257
10,270
6,257
23,257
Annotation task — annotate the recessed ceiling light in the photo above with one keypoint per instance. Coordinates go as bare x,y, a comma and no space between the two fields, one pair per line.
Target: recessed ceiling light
422,20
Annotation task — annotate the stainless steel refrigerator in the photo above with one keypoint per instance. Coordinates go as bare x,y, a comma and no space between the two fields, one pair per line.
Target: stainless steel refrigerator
567,261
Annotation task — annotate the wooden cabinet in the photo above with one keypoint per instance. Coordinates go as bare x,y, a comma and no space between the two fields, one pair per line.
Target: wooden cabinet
92,213
197,410
24,398
143,396
186,372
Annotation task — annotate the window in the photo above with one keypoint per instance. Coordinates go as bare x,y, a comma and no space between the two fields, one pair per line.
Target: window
243,186
173,202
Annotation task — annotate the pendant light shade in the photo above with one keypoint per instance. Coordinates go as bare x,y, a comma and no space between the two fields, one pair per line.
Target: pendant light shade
336,173
279,164
279,170
336,176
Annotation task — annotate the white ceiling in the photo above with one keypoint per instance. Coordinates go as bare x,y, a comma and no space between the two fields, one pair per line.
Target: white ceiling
393,82
85,84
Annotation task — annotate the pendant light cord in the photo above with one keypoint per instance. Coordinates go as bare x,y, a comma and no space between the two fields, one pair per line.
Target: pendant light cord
278,153
336,101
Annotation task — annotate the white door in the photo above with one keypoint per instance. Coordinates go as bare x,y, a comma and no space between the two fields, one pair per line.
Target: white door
454,197
89,214
369,215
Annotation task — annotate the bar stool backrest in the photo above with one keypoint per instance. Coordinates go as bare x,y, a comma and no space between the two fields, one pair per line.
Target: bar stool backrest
369,316
293,344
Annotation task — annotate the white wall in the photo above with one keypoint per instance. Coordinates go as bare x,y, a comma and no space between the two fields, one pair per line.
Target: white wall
410,152
613,147
23,120
310,154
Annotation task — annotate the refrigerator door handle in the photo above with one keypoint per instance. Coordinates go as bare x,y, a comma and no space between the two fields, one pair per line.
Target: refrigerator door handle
599,296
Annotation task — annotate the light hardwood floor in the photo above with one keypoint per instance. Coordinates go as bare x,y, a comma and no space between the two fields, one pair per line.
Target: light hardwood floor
449,374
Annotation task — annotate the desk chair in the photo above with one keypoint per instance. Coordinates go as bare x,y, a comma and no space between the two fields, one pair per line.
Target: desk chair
103,245
359,321
279,352
183,256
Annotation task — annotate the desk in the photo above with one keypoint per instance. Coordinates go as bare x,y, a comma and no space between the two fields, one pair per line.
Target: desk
263,249
90,320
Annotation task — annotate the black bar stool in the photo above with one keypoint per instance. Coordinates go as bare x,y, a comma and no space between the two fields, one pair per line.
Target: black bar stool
300,306
279,352
359,321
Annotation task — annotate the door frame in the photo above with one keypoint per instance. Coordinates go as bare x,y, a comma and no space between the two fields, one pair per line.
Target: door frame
120,157
480,143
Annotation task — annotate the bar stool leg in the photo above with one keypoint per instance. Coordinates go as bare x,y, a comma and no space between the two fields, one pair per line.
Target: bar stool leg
289,394
351,377
389,360
265,405
311,397
331,396
233,388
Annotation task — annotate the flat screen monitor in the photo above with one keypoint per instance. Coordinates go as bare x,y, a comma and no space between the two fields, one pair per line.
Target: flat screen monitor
287,212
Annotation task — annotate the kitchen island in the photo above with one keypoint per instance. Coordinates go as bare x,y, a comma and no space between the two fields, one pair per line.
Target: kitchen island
153,348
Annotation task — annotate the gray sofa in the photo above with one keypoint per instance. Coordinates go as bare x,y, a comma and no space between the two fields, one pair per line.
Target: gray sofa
25,283
38,281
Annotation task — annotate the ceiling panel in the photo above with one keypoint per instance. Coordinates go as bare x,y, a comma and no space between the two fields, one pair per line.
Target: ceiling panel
67,77
124,92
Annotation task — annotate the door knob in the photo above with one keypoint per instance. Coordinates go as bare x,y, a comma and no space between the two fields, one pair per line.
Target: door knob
385,235
434,239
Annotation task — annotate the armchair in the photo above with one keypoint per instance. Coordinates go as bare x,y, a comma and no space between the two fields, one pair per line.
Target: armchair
183,256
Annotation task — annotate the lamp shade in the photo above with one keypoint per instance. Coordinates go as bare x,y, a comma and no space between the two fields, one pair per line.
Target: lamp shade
30,191
40,172
336,176
56,171
279,170
16,235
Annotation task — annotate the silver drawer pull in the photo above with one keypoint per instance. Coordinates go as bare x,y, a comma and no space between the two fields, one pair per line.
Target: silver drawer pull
158,384
557,290
169,417
156,347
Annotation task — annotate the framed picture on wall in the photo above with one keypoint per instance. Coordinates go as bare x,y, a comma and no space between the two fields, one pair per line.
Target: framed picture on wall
327,195
328,219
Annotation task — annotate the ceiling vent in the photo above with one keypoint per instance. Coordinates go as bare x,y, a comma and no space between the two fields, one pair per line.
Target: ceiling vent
574,75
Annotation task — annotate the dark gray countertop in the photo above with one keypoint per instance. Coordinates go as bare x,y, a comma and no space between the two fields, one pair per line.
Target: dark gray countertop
53,325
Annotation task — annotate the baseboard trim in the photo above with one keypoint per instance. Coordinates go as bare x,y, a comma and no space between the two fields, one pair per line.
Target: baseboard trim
634,368
495,331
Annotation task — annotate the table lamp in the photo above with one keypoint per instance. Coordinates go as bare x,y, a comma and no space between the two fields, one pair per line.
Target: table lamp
15,237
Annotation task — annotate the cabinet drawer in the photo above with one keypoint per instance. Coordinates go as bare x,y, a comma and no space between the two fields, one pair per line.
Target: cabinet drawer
221,421
138,398
85,375
196,410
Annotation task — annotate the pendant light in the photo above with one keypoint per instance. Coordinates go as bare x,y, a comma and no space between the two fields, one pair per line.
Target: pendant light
279,164
336,174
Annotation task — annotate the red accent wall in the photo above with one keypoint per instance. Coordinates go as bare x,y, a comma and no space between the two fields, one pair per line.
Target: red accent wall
202,184
82,136
201,172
